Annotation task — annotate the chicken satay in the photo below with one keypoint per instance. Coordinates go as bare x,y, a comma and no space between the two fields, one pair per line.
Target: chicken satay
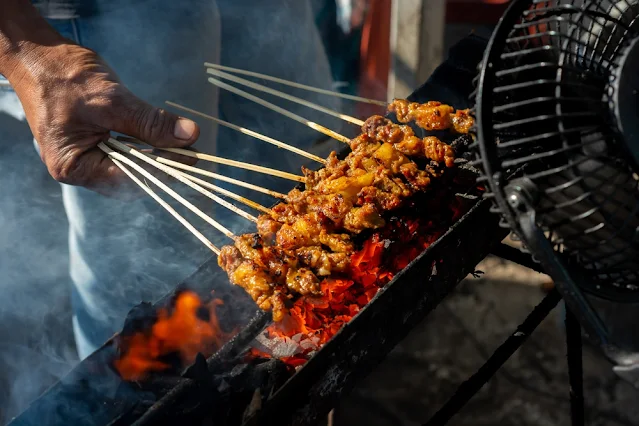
365,217
254,280
404,140
347,186
462,121
272,258
385,201
332,206
303,232
430,147
245,266
309,230
323,262
420,179
267,227
333,168
432,115
303,281
338,243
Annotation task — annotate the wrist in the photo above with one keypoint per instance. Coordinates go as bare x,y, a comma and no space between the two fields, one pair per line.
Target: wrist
24,34
28,61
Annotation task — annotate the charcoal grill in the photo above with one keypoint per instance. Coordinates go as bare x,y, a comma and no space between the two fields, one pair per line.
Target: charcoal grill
226,390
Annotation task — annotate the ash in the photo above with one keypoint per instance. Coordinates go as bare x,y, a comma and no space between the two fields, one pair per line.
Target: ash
281,347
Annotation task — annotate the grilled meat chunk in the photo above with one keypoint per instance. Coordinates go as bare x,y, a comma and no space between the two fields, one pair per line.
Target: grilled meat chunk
431,115
403,139
365,217
303,232
254,280
323,262
462,121
267,227
331,206
339,243
303,281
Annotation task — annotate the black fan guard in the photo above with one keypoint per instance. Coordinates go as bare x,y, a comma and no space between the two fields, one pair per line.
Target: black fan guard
559,163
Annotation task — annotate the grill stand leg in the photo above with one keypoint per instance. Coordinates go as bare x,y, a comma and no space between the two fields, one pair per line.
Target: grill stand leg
575,369
471,386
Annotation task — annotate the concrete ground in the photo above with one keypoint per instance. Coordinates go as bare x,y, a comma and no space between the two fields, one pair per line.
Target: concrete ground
530,390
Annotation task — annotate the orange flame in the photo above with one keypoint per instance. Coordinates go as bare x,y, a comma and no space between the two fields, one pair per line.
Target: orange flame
180,332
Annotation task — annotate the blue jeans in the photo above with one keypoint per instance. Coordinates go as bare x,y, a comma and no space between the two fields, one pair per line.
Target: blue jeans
125,253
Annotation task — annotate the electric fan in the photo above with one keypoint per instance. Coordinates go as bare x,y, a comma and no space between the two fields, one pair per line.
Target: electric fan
557,131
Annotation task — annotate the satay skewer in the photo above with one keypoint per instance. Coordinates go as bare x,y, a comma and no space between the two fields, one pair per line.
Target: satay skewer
297,85
286,96
118,156
223,178
206,184
293,116
177,164
167,207
252,133
177,175
225,192
234,163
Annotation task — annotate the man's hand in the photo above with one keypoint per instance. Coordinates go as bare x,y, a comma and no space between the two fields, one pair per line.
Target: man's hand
72,101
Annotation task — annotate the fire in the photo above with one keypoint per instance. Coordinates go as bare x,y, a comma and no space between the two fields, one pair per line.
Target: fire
180,332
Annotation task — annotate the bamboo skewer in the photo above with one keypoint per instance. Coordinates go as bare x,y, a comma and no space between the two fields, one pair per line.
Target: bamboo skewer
203,172
286,96
223,191
178,175
204,183
165,188
297,85
282,111
223,178
168,208
251,133
233,163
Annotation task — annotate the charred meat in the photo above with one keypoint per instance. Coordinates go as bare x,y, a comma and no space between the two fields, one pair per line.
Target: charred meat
312,235
432,115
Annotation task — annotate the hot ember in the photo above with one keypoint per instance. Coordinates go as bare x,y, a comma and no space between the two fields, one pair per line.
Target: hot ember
314,320
190,327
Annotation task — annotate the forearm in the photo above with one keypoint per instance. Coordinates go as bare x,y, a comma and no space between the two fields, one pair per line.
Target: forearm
22,32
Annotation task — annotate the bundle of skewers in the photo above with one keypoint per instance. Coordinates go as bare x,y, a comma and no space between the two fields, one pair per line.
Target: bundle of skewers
318,231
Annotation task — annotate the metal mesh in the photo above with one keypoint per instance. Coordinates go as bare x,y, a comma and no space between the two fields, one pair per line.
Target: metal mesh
551,119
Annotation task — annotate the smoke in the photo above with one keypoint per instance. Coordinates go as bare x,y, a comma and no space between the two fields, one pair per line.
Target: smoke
283,42
36,339
37,344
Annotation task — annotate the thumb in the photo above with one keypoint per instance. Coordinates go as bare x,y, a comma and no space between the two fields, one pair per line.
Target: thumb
155,126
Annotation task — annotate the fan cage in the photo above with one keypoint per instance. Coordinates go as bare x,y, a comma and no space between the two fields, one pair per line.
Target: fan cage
544,93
